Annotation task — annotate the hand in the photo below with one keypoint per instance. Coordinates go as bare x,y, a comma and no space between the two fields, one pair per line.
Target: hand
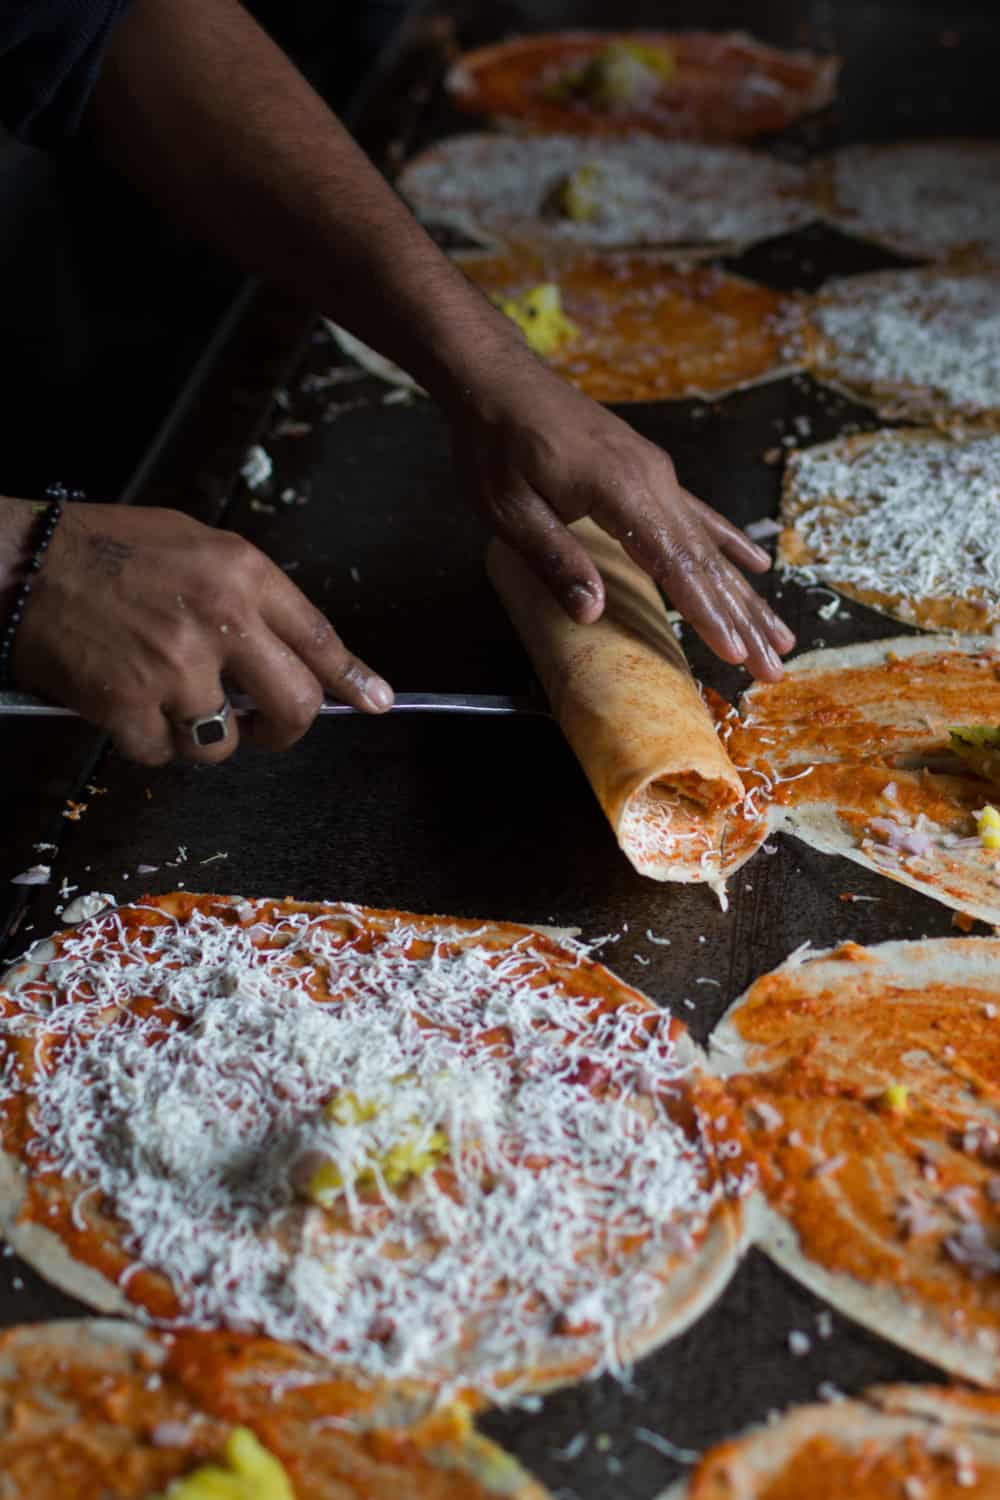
138,613
536,454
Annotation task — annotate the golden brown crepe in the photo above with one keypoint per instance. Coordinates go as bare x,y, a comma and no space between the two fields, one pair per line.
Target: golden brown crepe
624,697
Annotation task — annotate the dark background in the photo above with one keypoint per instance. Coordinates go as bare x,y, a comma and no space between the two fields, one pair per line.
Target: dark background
479,818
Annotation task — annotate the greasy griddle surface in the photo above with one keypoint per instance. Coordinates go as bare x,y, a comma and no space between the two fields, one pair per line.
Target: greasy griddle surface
495,818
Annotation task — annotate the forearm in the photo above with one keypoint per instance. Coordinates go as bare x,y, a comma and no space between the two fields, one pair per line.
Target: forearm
202,111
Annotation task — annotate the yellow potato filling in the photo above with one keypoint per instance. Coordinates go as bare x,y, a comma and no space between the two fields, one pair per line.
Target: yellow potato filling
539,314
417,1150
577,197
979,747
988,827
621,73
247,1472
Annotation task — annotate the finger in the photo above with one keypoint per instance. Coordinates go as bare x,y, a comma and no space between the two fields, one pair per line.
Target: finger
707,611
287,696
749,615
313,639
141,734
552,552
200,696
735,543
771,625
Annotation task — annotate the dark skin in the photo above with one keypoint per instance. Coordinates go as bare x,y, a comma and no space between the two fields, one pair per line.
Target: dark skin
201,111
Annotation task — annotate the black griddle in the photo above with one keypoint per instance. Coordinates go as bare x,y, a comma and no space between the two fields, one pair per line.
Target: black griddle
495,818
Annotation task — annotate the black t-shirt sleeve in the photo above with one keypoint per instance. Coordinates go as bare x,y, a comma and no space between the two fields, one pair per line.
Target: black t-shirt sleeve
50,55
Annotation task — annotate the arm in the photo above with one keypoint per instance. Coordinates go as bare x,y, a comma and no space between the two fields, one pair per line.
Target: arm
201,110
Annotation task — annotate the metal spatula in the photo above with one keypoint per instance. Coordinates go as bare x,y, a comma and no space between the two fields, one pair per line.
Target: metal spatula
23,706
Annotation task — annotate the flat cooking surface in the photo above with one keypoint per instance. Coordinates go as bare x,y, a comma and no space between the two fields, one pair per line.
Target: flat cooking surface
494,818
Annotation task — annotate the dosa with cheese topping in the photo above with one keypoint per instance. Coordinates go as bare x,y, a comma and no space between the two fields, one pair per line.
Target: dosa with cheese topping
922,346
936,200
912,1442
424,1148
633,326
904,520
697,85
852,752
503,189
105,1410
623,695
869,1079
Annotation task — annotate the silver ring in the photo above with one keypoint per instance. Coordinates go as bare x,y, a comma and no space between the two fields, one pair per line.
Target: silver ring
210,729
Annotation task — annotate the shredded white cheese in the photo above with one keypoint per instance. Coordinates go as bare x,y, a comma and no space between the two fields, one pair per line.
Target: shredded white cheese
913,520
644,191
921,331
930,198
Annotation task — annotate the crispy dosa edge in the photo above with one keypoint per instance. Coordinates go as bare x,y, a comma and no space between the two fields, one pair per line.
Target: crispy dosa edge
690,1283
880,1417
620,689
877,1308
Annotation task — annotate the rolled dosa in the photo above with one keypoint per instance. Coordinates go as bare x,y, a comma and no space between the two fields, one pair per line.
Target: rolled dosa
623,695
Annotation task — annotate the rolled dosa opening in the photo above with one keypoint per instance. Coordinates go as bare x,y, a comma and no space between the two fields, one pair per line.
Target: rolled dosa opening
623,694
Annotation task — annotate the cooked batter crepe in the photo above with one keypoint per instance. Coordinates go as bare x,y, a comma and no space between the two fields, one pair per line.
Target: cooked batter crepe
625,699
697,85
870,1082
930,199
906,521
641,328
911,1442
104,1410
423,1148
852,753
501,189
919,345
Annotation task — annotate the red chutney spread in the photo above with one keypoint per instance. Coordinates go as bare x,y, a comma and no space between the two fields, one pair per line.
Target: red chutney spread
875,1123
648,330
103,1422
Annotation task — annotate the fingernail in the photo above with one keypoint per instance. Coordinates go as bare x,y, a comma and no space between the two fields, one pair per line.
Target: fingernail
581,596
378,693
738,644
773,660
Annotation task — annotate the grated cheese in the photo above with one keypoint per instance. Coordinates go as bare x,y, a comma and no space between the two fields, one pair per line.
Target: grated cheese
190,1123
914,520
928,332
929,198
639,191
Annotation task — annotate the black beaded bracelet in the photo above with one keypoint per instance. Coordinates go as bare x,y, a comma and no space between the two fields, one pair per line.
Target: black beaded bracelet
45,530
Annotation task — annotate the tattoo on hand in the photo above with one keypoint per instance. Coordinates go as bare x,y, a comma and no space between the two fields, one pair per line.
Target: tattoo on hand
110,555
